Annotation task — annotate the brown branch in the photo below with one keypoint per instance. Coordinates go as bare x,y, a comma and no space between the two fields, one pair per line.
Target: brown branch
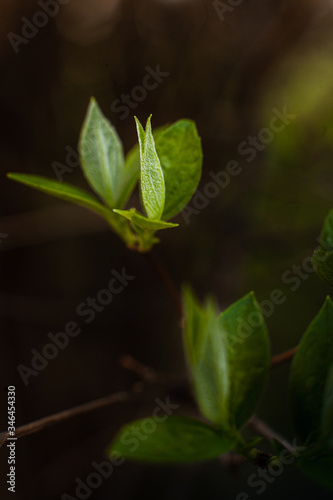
143,371
148,375
43,423
232,461
167,282
264,430
283,357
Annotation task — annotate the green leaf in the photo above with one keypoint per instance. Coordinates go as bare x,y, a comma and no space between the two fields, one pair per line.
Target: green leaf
132,164
102,157
75,195
180,154
322,259
327,411
322,262
228,358
141,137
177,439
61,190
152,180
320,469
179,150
248,355
132,170
142,221
311,378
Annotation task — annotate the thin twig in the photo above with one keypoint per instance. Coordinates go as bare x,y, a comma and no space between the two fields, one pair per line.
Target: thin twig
284,357
167,282
264,430
150,376
43,423
232,461
141,370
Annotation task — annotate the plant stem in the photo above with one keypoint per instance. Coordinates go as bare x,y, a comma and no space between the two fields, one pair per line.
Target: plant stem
283,357
264,430
43,423
168,283
148,375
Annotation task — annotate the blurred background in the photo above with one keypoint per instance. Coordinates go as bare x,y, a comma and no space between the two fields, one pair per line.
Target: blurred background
231,69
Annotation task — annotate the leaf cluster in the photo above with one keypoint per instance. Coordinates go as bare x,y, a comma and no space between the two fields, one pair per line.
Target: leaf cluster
166,164
227,353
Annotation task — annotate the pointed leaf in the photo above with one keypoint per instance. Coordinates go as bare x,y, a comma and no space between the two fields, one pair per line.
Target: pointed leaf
180,154
311,378
61,190
248,356
228,357
141,137
142,221
132,173
322,259
177,439
79,197
102,157
178,147
132,166
152,180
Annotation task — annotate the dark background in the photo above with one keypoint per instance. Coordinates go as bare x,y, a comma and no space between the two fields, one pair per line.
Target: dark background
227,75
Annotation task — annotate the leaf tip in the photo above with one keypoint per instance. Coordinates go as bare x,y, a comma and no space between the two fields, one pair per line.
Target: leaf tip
93,105
328,302
251,297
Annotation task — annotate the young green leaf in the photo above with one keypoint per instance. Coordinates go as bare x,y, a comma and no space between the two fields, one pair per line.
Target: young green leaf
179,150
61,190
132,171
132,165
142,221
141,137
102,157
228,357
177,439
80,197
152,180
322,259
180,154
248,356
311,378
